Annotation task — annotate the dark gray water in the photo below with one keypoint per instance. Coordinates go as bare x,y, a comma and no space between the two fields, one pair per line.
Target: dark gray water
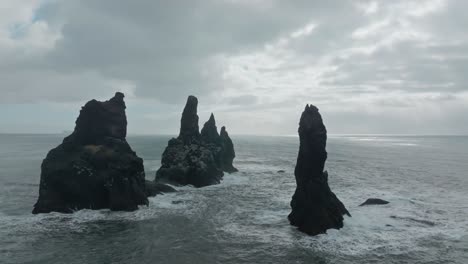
243,220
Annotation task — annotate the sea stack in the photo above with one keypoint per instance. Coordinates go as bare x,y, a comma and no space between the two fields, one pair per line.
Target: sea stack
195,158
315,208
94,167
228,155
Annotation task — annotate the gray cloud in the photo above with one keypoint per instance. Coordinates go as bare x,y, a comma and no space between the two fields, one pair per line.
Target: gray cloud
356,60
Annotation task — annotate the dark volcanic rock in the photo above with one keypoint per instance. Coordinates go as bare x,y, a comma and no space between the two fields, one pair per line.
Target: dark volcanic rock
194,158
374,201
191,164
189,121
209,132
94,167
228,154
315,208
154,188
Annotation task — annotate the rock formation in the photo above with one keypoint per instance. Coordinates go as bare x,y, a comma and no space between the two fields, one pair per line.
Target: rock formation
374,201
195,158
94,167
189,121
228,154
209,132
315,208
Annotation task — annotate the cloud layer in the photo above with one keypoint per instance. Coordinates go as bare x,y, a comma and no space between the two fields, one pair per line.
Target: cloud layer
370,66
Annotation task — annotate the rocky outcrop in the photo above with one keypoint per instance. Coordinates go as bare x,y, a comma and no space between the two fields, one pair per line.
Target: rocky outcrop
209,132
374,201
315,208
194,158
94,167
228,153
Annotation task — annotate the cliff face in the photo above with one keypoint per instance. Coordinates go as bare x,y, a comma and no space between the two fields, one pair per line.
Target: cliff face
315,208
193,158
94,167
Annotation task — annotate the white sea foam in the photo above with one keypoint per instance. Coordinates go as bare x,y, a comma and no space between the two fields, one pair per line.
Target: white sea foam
245,217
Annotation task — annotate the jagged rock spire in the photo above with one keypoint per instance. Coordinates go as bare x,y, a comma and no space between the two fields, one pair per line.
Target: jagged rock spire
315,208
194,158
209,132
189,122
228,153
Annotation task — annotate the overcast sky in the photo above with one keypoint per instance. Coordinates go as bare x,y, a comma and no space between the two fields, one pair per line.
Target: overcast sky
369,66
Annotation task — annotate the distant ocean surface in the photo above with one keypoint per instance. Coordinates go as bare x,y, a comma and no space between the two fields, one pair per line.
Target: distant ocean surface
244,219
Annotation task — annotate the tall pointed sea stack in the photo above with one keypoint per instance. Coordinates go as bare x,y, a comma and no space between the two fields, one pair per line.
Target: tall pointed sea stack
193,158
315,208
94,167
189,121
228,154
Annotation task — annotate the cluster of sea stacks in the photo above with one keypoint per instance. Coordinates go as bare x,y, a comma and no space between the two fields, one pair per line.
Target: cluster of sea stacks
195,158
95,167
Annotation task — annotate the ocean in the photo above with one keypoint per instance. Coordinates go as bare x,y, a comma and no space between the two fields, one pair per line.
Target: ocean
244,219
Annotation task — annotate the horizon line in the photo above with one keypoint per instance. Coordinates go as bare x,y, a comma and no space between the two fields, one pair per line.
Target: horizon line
245,134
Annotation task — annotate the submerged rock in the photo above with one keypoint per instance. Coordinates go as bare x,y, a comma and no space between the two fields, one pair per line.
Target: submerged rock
154,188
374,201
315,208
194,158
94,167
419,221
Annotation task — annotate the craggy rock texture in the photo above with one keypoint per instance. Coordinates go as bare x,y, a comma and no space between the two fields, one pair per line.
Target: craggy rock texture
94,167
195,158
228,155
209,132
374,201
189,122
315,208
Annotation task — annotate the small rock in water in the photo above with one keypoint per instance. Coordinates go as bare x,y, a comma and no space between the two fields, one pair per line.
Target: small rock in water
281,171
374,201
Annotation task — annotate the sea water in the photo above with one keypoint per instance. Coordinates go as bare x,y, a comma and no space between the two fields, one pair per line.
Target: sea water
244,219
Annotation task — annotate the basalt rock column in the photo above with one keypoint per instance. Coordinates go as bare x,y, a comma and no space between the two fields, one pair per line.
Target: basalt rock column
189,121
228,153
315,208
94,167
